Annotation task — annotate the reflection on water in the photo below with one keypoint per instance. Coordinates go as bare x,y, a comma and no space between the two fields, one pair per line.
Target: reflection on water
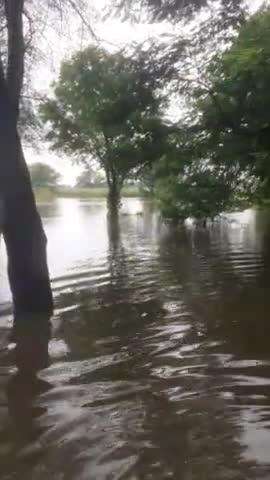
20,429
159,359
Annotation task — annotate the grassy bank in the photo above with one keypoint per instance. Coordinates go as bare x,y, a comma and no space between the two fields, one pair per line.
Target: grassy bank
95,192
43,194
48,194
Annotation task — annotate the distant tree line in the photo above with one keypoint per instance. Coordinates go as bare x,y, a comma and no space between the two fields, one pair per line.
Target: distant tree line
42,175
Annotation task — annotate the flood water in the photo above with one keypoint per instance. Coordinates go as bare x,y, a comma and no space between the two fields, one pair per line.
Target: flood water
159,359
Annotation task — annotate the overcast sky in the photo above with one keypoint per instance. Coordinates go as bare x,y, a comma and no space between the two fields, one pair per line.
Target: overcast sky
113,34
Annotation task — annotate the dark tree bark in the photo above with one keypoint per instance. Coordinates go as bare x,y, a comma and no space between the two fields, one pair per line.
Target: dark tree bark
22,228
115,185
16,50
114,198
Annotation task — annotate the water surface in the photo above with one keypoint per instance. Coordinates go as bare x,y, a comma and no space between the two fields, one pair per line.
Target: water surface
159,361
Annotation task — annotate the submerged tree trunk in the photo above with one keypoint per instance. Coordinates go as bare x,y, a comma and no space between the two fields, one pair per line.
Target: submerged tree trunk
22,228
114,198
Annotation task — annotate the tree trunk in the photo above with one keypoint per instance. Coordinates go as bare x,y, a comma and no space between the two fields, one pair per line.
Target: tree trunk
113,199
16,51
22,228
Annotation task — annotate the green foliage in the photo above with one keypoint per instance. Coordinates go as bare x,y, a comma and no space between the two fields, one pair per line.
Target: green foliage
189,183
174,10
222,161
181,56
236,111
43,175
106,108
201,192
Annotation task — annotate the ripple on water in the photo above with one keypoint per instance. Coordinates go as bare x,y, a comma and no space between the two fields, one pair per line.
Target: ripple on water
159,358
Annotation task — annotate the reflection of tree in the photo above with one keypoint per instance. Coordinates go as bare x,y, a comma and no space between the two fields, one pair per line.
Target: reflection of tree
222,303
110,310
31,356
185,426
151,379
117,263
49,210
191,437
220,324
237,313
24,387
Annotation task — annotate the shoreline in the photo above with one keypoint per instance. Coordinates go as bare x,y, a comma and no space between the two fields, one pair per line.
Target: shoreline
50,193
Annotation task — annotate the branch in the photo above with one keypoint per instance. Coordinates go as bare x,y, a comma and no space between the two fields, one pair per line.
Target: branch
39,98
72,3
86,23
31,28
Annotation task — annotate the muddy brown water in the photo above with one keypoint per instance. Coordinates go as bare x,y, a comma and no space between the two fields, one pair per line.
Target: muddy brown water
159,360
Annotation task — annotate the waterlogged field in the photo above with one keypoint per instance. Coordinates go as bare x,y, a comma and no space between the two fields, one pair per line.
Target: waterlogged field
159,359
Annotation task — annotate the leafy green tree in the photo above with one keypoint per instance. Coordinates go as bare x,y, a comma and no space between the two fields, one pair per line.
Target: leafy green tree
222,160
200,191
43,175
189,184
106,107
235,109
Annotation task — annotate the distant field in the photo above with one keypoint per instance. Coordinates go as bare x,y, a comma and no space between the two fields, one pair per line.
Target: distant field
44,194
47,194
95,192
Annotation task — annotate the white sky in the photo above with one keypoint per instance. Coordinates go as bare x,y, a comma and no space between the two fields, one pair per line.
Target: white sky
113,32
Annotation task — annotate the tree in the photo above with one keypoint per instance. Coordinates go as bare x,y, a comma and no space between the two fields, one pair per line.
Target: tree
200,190
90,177
43,175
234,112
172,10
106,107
201,29
188,183
222,159
22,228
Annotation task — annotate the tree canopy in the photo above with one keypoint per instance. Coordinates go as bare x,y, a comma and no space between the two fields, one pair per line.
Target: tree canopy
235,112
197,30
222,159
107,108
176,10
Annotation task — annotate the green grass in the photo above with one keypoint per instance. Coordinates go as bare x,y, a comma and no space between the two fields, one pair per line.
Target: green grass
101,192
44,194
132,191
264,203
81,192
